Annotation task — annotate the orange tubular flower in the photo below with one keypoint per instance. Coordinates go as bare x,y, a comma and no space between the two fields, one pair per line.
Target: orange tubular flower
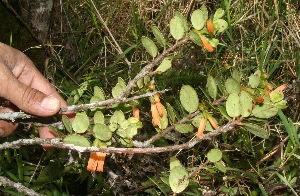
210,26
159,108
201,127
155,115
206,44
213,122
96,161
136,113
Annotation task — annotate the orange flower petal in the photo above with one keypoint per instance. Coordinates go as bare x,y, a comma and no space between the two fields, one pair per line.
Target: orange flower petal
213,122
155,115
160,109
96,161
206,44
201,127
136,113
210,26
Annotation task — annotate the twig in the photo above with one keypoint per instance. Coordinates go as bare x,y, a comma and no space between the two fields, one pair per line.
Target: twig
146,70
57,142
74,108
164,132
18,186
12,116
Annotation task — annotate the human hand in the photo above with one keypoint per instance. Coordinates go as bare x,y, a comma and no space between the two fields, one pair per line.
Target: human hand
24,86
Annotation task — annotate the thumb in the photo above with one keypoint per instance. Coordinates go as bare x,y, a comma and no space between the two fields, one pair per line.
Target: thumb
31,100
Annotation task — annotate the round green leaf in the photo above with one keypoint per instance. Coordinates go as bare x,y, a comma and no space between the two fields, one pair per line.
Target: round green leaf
211,86
65,120
158,36
184,128
171,113
118,117
214,155
276,96
281,104
178,179
81,122
131,131
176,28
254,79
220,25
236,75
150,46
102,132
174,162
233,106
204,10
256,130
77,140
213,42
197,19
195,38
189,98
219,14
98,117
164,66
220,166
246,104
232,86
116,91
184,22
267,110
98,92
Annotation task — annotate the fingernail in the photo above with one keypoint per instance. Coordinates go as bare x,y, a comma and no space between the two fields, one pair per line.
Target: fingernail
1,132
50,103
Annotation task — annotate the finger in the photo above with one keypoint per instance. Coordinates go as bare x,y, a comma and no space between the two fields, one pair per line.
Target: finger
7,127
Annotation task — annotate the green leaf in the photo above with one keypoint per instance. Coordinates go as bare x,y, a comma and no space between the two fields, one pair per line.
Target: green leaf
246,104
116,91
290,128
267,110
214,155
219,14
121,82
176,28
196,121
102,132
164,66
197,19
256,130
77,140
98,92
171,113
236,75
213,42
220,25
118,117
184,22
254,79
219,165
195,38
211,86
184,128
276,96
281,104
232,86
158,36
204,10
150,46
163,121
81,122
189,98
65,120
131,131
178,179
98,117
174,162
233,106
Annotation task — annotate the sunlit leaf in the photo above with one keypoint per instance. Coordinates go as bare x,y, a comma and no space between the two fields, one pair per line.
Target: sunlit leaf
98,117
184,128
220,25
256,130
236,75
195,38
219,14
150,46
254,79
197,19
163,121
81,122
184,22
189,98
98,92
164,66
204,10
233,106
214,155
174,162
118,117
232,86
267,110
158,36
176,28
276,96
102,132
211,86
77,140
220,166
246,104
178,179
